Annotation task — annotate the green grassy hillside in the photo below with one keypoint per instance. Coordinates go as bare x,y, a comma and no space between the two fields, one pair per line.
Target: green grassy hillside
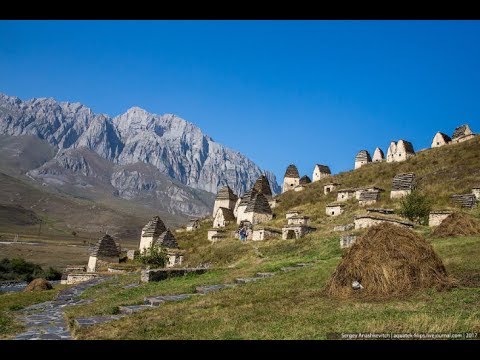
293,305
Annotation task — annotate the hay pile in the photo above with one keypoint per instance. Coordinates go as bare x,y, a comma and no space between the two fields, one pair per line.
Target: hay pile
387,261
38,284
457,224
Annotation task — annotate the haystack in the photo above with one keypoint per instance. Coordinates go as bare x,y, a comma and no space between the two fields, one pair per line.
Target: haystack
387,261
457,224
38,285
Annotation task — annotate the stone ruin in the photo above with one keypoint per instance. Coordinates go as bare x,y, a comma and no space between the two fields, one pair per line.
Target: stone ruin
248,200
345,227
328,188
155,233
334,209
216,234
368,220
360,191
378,155
345,194
151,232
292,213
435,218
258,210
402,185
440,139
476,191
193,225
291,178
400,151
347,240
380,211
462,133
242,205
223,218
362,158
304,180
369,197
320,172
105,252
264,233
297,227
225,198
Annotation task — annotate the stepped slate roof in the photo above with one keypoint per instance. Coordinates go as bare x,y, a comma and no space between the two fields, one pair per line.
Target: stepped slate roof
154,227
292,171
408,146
323,168
445,137
226,213
305,180
466,200
259,204
363,155
225,193
247,197
166,239
403,181
263,186
369,195
106,247
378,154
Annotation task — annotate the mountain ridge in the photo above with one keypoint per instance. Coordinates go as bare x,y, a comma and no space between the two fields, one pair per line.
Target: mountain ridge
173,146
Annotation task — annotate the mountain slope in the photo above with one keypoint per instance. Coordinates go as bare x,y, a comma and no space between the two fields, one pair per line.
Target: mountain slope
172,145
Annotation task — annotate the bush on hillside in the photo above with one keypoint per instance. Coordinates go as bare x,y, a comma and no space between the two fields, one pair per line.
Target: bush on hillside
17,269
416,207
156,255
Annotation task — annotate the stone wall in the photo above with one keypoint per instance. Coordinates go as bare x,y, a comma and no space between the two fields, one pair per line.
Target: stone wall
476,192
241,214
289,183
298,220
462,138
334,210
150,275
396,194
130,254
257,218
347,240
345,195
435,218
328,188
226,203
438,140
295,231
264,234
214,232
74,278
344,227
146,242
299,188
365,222
290,214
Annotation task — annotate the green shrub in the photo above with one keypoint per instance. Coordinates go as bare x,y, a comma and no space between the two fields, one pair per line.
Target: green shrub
416,207
52,274
155,255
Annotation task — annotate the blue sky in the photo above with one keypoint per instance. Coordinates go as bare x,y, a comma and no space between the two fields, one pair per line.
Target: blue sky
280,92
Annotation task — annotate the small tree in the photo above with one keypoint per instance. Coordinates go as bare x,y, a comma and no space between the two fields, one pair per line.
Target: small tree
155,255
416,207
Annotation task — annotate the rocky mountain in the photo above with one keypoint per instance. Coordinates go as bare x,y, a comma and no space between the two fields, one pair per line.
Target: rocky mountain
159,160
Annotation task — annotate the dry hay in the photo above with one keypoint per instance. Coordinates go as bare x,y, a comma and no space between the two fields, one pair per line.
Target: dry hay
457,224
388,261
38,284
